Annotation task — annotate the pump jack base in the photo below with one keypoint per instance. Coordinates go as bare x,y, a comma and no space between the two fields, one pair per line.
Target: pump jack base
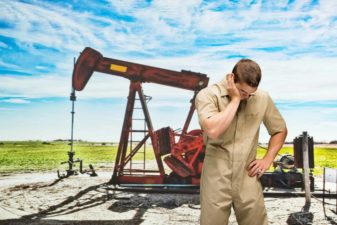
68,174
300,218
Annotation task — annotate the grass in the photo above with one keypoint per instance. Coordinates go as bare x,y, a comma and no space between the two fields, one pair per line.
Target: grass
29,156
323,157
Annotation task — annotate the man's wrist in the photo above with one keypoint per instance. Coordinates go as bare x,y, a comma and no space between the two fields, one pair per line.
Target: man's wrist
269,159
235,99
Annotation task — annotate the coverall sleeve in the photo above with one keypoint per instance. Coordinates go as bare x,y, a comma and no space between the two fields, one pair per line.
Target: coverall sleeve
272,118
206,105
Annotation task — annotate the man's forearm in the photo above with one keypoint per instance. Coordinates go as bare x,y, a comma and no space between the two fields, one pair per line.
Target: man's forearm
218,123
259,166
275,144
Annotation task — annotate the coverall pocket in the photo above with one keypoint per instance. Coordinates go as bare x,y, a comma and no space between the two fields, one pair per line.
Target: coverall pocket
252,124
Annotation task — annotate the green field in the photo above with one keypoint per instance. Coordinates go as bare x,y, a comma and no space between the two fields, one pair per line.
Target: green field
29,156
323,157
34,156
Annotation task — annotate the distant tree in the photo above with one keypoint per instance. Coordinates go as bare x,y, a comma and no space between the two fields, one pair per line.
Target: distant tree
333,142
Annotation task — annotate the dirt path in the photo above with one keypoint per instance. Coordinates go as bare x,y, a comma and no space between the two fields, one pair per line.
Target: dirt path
41,199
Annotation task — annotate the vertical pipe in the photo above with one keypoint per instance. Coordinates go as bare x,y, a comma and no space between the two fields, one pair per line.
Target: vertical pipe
324,192
306,171
73,99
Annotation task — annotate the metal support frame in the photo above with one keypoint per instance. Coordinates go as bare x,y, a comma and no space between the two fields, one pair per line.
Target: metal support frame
119,175
91,61
190,114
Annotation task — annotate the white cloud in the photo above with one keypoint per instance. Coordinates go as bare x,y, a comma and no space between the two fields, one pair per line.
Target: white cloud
174,22
16,101
125,6
305,79
172,103
47,25
2,109
3,45
8,65
34,87
303,69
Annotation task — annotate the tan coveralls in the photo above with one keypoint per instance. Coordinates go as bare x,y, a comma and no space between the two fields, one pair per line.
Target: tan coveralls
225,181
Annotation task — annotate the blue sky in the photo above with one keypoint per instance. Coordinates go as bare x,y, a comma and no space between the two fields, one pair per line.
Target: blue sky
295,42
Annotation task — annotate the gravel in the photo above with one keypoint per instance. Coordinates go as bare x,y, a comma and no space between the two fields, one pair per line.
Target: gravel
39,198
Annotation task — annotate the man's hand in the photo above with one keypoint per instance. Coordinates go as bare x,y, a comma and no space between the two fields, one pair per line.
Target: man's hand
232,90
219,122
258,167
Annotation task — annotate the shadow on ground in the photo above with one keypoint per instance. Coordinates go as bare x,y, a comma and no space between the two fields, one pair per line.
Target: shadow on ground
97,195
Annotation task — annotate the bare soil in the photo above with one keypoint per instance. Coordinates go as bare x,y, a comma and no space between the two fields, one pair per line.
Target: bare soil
40,198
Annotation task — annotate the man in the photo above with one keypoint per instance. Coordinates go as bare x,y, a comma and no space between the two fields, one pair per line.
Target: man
230,114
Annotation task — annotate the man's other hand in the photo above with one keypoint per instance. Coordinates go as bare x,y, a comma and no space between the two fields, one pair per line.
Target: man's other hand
232,90
258,167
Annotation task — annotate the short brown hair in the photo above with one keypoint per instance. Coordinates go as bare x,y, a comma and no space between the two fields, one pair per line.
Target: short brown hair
247,71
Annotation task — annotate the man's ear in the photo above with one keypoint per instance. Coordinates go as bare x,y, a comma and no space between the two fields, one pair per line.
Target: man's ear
236,78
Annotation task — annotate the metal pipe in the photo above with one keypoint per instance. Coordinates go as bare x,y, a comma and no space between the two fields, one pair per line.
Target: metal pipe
306,172
194,189
73,99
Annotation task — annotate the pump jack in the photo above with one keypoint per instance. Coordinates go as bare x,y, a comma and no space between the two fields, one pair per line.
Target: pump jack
184,157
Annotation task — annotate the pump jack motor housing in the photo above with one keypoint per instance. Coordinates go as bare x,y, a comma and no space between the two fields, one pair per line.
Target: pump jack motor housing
184,156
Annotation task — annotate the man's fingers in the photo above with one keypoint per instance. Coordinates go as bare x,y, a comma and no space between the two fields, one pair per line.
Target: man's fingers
251,165
253,171
258,171
255,168
230,82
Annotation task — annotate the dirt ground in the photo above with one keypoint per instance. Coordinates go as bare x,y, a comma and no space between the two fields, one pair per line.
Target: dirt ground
40,198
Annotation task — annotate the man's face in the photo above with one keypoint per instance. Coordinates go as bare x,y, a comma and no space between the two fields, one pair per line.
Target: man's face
245,90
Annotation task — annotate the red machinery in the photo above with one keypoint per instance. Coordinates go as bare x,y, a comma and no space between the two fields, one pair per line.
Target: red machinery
184,156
